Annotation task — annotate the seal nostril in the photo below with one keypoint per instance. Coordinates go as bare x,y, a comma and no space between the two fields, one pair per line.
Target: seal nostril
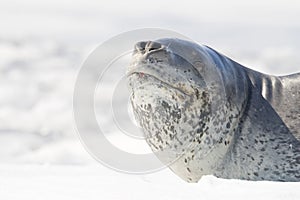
150,46
140,46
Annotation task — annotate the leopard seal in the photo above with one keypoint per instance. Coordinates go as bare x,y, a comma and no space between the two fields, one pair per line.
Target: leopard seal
204,114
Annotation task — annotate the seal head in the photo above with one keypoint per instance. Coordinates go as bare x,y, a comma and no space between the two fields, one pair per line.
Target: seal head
193,106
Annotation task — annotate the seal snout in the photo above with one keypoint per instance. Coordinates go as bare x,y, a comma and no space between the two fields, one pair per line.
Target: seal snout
147,47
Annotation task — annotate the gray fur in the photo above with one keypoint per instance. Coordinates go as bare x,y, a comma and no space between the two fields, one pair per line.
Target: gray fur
203,113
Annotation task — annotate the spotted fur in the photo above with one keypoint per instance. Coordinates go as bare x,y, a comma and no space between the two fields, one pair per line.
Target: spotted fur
202,113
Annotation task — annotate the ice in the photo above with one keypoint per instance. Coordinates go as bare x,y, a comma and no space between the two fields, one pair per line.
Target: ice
96,182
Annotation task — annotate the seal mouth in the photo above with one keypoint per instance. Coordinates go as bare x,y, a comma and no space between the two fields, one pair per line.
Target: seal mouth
145,76
159,75
143,73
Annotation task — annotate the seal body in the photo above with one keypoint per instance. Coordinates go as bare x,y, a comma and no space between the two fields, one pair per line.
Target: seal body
203,113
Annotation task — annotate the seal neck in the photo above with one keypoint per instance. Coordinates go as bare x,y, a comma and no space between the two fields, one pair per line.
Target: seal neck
263,147
283,95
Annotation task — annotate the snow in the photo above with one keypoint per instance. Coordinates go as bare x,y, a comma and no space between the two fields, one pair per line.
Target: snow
43,44
96,182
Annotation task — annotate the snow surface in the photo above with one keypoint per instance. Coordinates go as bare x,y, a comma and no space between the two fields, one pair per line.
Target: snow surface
42,45
95,182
